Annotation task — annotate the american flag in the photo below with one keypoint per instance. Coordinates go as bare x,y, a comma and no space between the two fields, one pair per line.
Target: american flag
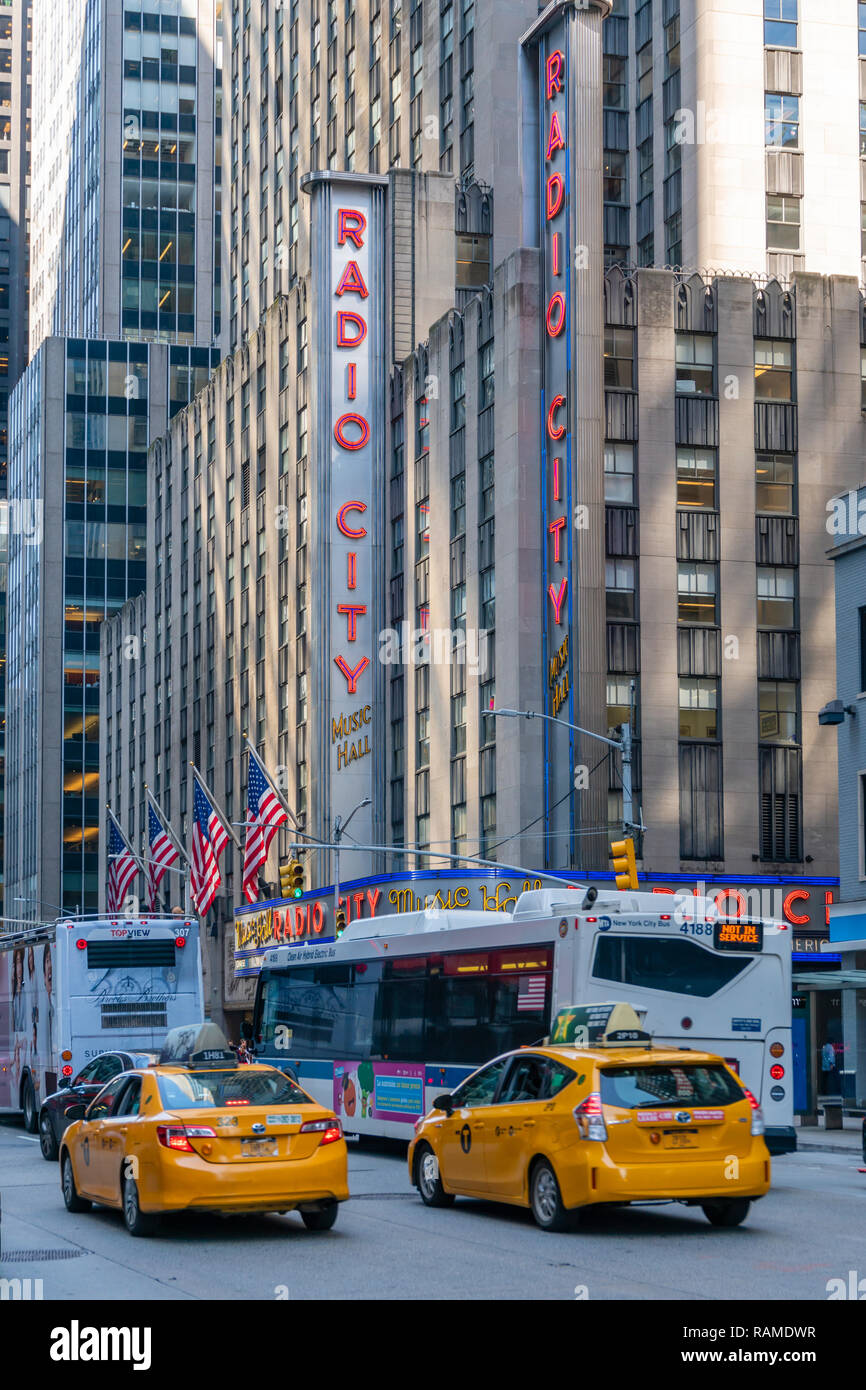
264,817
209,839
162,855
530,993
122,868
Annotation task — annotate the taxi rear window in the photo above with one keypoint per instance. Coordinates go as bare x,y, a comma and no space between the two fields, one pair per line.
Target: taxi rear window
202,1090
634,1088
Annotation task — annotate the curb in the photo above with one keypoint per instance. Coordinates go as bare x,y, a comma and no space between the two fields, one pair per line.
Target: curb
808,1146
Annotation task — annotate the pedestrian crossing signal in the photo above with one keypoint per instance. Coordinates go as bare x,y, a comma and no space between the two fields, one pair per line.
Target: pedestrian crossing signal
624,864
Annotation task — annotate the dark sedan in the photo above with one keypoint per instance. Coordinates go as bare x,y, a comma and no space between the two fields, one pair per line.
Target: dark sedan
81,1089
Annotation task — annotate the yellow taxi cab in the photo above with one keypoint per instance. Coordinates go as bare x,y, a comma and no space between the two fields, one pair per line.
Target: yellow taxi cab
596,1115
207,1134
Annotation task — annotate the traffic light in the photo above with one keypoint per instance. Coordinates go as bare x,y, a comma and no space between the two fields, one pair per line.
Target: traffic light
292,879
624,863
341,922
297,870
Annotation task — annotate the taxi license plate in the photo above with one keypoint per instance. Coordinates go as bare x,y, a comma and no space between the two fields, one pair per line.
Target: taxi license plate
259,1148
680,1140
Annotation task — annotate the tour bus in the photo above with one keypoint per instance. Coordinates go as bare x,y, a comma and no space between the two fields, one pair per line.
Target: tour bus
86,985
402,1008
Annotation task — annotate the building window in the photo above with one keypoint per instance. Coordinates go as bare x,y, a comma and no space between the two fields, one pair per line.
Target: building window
619,703
614,76
473,261
694,356
701,807
780,23
615,177
773,370
779,771
776,597
774,483
783,223
644,72
619,473
696,477
619,358
863,229
861,29
696,593
487,381
777,712
699,702
620,589
782,120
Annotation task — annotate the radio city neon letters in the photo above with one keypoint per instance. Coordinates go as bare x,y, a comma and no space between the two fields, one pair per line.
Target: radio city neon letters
351,430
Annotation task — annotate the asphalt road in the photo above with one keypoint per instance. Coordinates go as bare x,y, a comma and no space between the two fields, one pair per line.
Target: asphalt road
386,1245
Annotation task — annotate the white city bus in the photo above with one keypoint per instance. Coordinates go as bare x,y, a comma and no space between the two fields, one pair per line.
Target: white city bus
88,985
403,1007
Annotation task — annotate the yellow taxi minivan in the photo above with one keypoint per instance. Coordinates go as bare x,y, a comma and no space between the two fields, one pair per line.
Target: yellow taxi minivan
596,1115
204,1133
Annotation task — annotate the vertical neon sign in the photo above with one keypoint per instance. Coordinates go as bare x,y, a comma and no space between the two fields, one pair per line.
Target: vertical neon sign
556,417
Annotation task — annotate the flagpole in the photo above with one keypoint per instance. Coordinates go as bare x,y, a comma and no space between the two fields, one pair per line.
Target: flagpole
137,857
221,815
277,793
168,827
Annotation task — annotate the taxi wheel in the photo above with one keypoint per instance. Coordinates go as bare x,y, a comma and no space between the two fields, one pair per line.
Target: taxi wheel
47,1141
730,1213
70,1191
428,1181
321,1220
545,1199
137,1222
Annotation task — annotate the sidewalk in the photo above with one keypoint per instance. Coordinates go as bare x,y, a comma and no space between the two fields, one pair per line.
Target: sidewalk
816,1139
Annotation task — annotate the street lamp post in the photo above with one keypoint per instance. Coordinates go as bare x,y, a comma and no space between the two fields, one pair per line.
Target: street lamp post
623,743
42,902
339,827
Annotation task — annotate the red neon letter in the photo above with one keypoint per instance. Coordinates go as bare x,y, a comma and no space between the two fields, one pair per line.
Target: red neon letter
554,73
340,431
346,320
352,384
342,524
352,281
556,463
350,226
554,258
352,581
798,895
555,527
556,314
555,195
828,899
734,893
554,431
352,676
555,140
352,612
557,598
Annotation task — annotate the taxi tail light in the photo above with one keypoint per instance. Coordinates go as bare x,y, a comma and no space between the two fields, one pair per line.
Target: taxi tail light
757,1112
331,1130
177,1137
590,1117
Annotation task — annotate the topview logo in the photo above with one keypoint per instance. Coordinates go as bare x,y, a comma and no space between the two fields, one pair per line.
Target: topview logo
77,1343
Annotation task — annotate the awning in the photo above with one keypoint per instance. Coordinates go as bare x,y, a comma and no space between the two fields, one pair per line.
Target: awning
830,979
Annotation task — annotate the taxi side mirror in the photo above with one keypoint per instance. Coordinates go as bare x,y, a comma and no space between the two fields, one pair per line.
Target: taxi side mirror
444,1102
64,1083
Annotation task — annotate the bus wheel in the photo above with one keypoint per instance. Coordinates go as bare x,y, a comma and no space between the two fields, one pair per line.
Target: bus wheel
428,1181
47,1141
28,1105
545,1199
730,1213
70,1192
